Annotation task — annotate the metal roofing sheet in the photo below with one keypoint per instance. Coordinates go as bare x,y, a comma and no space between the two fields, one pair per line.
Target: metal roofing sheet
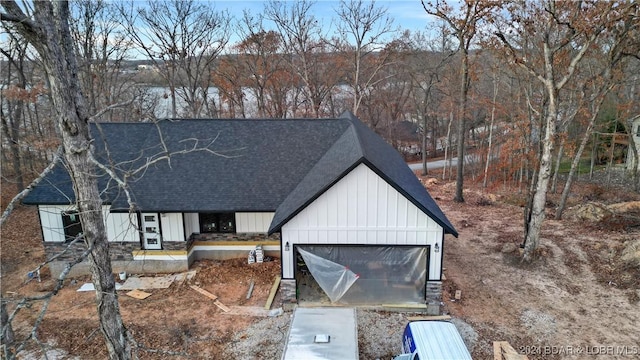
438,340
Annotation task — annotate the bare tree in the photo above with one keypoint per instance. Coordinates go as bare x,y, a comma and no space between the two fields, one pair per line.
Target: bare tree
307,52
260,55
102,48
363,27
428,58
620,42
14,96
46,28
229,76
495,82
183,39
563,32
464,25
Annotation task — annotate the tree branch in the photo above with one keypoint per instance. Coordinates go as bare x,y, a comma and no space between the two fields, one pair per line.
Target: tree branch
25,302
111,107
5,215
14,14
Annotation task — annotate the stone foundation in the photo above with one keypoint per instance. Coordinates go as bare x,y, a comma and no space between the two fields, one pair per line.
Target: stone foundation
174,245
288,294
233,237
121,254
118,251
433,297
130,267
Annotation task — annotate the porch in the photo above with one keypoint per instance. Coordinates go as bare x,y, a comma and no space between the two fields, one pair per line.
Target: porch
174,256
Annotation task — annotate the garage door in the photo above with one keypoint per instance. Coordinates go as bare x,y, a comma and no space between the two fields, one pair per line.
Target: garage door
369,275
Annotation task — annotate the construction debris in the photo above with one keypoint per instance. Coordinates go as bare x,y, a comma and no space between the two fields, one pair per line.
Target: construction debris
250,291
503,351
204,292
89,287
272,293
216,302
137,294
156,282
259,254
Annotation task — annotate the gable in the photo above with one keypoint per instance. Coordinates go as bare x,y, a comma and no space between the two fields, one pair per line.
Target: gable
359,145
362,200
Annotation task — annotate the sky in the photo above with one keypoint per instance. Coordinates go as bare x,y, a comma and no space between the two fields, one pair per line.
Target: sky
407,14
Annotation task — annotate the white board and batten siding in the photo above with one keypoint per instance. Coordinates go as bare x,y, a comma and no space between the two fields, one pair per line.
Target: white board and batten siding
121,227
362,209
172,227
191,224
253,222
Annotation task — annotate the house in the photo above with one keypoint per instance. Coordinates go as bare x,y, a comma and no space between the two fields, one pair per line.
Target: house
321,194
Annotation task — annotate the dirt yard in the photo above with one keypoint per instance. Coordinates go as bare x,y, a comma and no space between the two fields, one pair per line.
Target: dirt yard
577,300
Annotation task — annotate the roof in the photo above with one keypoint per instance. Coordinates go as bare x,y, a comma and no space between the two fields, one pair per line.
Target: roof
436,340
359,144
234,165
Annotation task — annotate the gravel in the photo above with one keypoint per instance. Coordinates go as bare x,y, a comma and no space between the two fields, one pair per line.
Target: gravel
379,336
541,326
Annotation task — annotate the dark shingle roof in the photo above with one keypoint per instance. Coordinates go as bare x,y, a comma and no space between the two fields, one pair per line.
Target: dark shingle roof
250,165
357,145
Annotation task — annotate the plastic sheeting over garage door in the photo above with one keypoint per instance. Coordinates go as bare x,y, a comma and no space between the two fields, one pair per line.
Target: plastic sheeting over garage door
369,274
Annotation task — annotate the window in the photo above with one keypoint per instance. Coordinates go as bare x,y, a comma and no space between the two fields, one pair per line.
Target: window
638,131
71,224
217,222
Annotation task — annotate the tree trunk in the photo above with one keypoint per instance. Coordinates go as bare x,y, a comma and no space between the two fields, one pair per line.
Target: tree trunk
554,181
446,149
493,116
574,165
594,155
7,335
50,35
14,144
464,87
595,109
424,145
544,173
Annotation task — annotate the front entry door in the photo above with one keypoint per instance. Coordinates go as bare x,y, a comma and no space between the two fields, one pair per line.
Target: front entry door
151,231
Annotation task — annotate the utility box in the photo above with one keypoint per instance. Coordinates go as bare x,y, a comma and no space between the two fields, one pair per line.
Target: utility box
426,340
322,333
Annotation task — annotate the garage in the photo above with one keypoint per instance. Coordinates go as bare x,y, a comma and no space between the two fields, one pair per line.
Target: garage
365,275
362,226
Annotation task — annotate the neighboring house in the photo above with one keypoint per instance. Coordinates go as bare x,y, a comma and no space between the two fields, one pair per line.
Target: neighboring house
330,190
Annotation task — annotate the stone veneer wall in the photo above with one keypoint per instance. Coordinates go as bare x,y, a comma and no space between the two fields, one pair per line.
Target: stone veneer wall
433,297
118,251
233,237
174,245
288,294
